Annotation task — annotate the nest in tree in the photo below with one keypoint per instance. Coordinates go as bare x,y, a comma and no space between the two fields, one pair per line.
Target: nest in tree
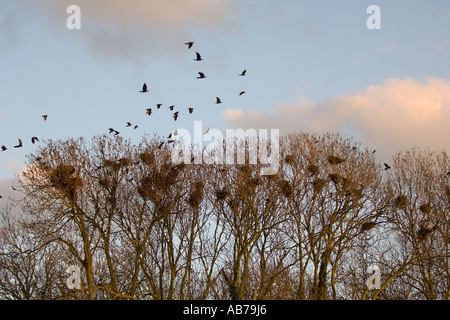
286,188
221,194
424,232
335,159
425,208
64,179
254,182
122,162
313,169
147,158
318,185
196,194
401,201
368,226
336,178
145,189
289,159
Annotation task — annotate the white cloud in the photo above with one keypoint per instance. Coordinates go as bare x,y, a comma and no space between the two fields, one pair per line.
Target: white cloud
393,116
135,29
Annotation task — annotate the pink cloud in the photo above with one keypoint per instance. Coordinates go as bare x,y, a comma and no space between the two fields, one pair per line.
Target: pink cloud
393,116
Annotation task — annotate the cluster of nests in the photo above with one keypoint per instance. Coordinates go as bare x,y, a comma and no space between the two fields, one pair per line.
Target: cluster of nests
153,185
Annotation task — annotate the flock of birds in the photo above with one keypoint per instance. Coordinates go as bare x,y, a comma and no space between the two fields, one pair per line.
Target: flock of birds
34,139
176,114
149,111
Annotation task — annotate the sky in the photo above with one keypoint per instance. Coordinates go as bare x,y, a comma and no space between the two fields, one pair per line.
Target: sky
311,66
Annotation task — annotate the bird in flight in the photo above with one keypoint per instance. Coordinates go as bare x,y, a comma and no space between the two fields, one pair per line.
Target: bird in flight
4,148
242,74
159,105
135,127
175,116
386,166
241,93
111,130
189,44
198,57
34,139
218,101
149,111
144,88
20,145
45,117
171,107
191,110
201,75
128,124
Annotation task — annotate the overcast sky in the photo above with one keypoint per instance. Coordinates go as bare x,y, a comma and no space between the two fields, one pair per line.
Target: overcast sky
311,66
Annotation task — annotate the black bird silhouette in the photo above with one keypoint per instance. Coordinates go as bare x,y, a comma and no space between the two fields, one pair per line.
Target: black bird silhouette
128,124
116,132
191,110
160,145
386,166
4,148
218,100
243,73
45,117
241,93
135,127
111,130
448,173
34,139
149,111
159,105
144,88
198,57
171,107
20,145
175,116
201,75
189,44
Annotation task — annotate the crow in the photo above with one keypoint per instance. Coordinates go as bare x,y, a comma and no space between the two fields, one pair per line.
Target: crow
218,101
243,73
241,93
111,130
189,44
171,107
144,88
45,117
159,105
191,110
128,124
201,75
135,127
198,57
386,166
149,111
175,116
20,145
4,148
34,139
